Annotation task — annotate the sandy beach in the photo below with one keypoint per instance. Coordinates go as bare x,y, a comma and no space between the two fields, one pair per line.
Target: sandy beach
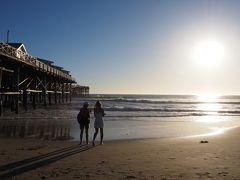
158,78
178,158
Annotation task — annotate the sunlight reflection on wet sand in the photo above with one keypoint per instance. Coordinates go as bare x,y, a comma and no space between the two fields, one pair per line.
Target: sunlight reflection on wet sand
215,131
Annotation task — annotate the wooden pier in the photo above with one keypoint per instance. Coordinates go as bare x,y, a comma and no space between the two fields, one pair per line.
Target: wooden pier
80,90
25,79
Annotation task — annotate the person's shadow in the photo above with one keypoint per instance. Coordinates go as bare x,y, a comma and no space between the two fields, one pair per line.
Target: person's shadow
19,167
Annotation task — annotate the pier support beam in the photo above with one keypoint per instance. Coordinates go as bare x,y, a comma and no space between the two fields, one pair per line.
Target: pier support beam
55,92
17,90
70,94
67,89
59,94
34,100
59,97
25,99
49,98
44,91
1,103
62,92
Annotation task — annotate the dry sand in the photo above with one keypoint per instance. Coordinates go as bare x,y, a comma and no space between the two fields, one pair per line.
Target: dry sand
181,158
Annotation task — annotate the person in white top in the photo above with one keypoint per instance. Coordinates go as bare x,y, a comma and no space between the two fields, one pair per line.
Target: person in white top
98,123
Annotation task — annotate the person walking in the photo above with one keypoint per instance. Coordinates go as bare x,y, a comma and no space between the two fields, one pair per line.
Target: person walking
84,120
98,123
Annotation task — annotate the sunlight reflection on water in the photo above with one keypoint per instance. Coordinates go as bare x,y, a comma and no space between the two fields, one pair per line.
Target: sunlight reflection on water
209,104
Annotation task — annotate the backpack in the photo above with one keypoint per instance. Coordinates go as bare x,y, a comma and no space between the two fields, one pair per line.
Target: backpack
83,117
79,117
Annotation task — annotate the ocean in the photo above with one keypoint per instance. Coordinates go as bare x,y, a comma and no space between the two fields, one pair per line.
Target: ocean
166,105
130,117
158,116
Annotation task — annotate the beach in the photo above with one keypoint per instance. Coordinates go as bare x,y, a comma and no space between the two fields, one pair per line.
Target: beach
155,81
139,143
217,157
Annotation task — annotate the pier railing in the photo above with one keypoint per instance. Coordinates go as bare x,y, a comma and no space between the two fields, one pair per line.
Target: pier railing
13,53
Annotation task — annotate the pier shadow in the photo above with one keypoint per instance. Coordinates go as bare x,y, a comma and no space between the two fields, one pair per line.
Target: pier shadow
12,169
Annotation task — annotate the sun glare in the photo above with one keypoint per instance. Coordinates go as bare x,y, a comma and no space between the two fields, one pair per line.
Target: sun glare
207,97
209,53
209,102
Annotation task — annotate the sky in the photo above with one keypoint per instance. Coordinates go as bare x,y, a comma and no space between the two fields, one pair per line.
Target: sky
133,46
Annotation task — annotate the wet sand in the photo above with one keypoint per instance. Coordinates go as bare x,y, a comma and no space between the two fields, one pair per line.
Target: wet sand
179,158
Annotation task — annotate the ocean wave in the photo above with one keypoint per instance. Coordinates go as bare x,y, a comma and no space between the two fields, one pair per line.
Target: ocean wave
191,111
171,101
154,101
117,117
170,106
167,110
112,117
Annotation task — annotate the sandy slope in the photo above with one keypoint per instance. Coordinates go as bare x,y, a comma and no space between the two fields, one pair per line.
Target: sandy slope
139,159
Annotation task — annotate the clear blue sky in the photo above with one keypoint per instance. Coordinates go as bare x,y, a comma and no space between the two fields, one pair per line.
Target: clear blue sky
130,46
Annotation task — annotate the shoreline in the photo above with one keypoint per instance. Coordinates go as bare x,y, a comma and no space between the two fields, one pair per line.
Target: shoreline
216,132
158,158
115,130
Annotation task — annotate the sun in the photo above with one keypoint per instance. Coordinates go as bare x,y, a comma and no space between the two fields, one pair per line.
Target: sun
209,53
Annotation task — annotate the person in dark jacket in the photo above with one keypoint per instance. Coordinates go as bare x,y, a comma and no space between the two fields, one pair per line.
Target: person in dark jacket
84,120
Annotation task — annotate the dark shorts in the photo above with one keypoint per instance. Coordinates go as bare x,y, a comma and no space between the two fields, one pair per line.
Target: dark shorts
82,126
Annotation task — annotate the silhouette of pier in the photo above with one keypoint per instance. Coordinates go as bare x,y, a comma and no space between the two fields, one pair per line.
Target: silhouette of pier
27,80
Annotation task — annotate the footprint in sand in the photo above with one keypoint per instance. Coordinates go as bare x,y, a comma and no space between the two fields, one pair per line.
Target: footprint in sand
130,177
223,173
204,175
102,162
2,153
43,177
77,177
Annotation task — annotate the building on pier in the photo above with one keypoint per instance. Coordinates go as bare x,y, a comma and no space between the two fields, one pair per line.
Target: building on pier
80,90
25,79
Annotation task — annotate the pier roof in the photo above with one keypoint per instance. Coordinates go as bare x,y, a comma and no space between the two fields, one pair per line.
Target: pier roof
46,61
65,71
19,46
16,52
57,67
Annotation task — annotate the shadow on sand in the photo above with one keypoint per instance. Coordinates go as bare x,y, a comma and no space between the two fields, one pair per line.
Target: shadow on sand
19,167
